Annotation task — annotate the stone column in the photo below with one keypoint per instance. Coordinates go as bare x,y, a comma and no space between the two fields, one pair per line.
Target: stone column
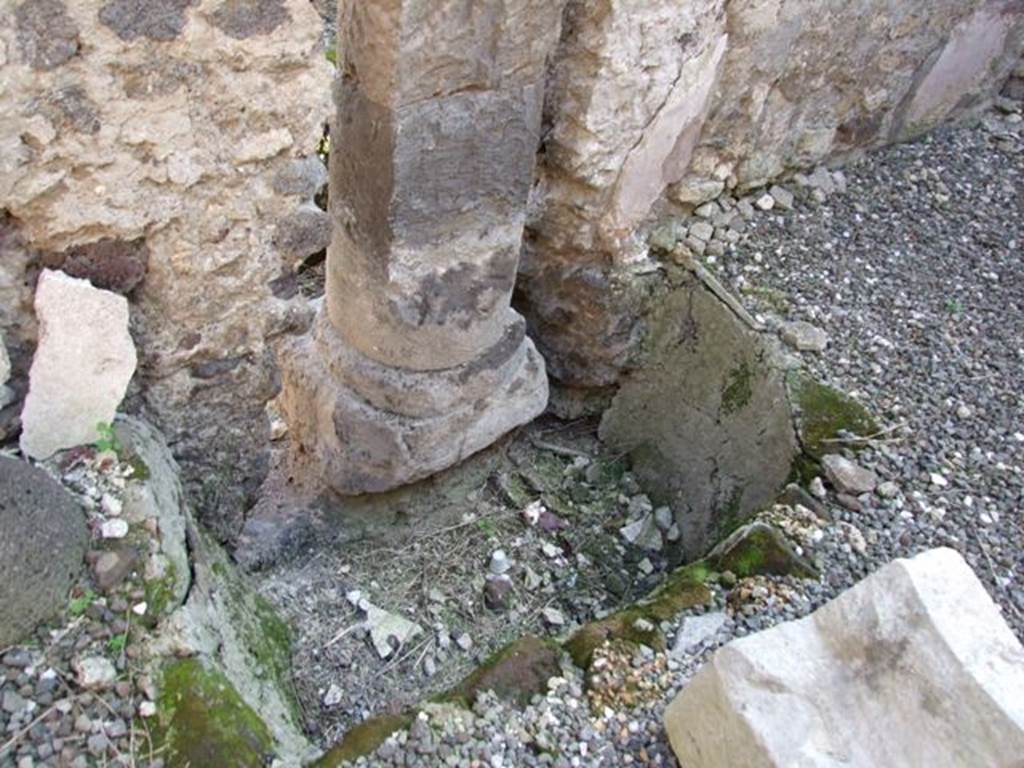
417,360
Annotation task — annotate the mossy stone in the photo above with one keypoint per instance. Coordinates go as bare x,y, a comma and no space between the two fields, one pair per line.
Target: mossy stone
515,673
822,412
638,623
704,417
759,549
364,739
204,721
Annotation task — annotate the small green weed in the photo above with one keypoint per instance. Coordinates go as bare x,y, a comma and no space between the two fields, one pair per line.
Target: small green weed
487,528
106,440
117,643
954,307
80,604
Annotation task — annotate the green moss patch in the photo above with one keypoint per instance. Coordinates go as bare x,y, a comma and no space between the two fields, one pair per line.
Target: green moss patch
160,595
738,389
759,550
823,411
364,739
204,722
638,623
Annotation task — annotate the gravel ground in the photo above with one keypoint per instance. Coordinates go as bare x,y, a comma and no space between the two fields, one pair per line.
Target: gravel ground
914,271
917,276
75,694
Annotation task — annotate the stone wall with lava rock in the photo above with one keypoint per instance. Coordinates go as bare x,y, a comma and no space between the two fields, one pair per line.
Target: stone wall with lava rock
166,150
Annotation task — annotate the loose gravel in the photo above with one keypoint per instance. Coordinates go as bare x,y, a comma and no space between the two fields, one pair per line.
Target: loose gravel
916,275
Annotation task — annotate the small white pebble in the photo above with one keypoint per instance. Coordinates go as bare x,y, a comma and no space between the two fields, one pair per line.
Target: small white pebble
114,529
111,505
147,709
139,609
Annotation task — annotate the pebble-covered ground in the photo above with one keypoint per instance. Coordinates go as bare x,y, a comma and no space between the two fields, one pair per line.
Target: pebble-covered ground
76,694
909,261
914,272
917,276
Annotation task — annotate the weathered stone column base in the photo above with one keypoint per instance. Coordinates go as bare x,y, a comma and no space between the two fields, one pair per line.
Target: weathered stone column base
368,427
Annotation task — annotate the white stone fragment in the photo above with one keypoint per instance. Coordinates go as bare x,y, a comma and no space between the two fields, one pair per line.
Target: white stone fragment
82,365
695,630
804,337
499,562
913,666
389,631
111,505
550,550
115,528
532,512
765,202
333,696
94,672
553,617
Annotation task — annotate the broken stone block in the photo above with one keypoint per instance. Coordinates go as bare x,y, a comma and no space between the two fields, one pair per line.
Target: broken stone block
389,631
804,337
43,539
848,477
81,367
914,666
643,533
704,416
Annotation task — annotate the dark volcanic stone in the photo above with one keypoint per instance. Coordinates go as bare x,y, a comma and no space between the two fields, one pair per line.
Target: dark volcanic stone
155,19
47,36
43,539
247,18
114,265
